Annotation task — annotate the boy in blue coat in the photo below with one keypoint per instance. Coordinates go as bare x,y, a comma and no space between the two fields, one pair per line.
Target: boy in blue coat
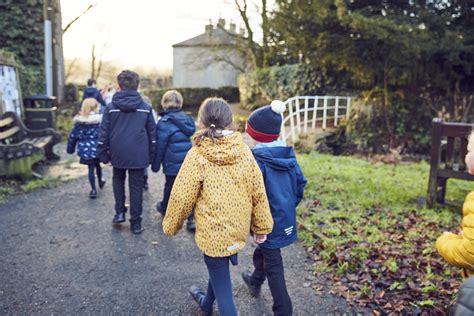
91,91
128,140
173,134
284,183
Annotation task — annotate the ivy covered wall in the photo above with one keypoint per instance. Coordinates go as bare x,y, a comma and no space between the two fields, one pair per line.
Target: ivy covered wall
21,25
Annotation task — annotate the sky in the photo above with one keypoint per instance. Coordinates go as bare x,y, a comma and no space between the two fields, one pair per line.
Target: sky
141,32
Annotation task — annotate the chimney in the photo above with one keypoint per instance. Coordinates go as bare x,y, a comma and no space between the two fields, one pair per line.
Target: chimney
242,31
221,23
209,28
232,27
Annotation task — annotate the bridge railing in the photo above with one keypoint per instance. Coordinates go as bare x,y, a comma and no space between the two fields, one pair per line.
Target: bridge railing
304,112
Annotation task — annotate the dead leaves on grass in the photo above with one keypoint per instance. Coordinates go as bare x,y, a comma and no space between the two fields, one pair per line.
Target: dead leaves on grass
401,273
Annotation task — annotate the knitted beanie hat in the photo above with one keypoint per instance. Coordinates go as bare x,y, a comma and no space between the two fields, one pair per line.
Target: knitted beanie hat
264,124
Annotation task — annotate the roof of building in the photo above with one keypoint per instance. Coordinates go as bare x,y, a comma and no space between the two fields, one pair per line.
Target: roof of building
212,37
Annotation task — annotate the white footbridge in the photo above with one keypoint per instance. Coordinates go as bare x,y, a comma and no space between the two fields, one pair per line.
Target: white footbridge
308,114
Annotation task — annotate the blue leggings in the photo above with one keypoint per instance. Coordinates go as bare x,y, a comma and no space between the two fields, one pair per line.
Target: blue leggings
219,286
94,166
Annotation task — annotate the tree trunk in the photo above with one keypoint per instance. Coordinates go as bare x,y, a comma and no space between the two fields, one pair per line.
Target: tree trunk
93,62
265,30
58,55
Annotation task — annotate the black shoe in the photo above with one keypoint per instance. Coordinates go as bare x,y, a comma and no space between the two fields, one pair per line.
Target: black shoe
145,183
119,218
136,228
93,194
101,184
247,277
191,225
198,296
159,209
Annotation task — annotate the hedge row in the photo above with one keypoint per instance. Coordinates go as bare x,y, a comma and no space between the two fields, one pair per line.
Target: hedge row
259,87
194,96
21,25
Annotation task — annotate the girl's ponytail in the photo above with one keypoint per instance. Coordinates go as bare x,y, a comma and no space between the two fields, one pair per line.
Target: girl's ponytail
215,115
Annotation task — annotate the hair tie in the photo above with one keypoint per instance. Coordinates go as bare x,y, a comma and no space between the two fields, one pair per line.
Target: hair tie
212,126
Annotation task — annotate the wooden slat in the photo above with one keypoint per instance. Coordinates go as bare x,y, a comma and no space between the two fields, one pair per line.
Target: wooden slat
446,173
9,132
457,129
39,141
6,121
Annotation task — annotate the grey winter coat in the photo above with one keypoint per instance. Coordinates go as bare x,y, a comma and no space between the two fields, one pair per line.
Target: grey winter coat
465,304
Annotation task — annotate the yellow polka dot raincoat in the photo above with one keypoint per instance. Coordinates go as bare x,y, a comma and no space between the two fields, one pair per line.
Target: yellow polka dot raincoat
223,183
459,250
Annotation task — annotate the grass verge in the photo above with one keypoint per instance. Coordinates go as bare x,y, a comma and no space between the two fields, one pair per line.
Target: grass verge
10,187
368,231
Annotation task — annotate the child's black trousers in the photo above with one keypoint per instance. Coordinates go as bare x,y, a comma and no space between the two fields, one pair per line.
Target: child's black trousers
135,185
269,265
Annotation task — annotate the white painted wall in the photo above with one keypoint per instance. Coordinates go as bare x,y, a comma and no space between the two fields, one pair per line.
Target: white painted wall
198,67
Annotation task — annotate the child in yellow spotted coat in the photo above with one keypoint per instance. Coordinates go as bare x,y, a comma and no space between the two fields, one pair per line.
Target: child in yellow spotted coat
459,249
222,181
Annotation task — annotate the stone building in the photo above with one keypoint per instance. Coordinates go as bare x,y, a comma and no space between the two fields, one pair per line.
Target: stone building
210,60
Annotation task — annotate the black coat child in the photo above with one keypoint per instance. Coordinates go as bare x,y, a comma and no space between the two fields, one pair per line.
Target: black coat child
128,132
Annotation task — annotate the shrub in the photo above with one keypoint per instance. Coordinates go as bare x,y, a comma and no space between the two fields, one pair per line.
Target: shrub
259,87
71,93
409,120
193,97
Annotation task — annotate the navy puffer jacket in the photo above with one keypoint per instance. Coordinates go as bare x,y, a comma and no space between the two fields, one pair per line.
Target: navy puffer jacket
84,135
284,183
173,134
128,132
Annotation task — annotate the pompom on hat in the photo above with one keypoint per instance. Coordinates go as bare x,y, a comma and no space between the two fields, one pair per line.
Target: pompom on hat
264,124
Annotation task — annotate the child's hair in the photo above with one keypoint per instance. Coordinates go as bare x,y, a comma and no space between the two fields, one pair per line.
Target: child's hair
470,144
172,99
215,114
128,80
89,105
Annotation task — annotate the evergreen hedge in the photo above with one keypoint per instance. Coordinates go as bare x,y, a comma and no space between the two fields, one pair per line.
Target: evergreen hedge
21,25
194,96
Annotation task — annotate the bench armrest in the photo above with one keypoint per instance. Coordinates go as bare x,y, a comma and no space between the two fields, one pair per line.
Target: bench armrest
29,133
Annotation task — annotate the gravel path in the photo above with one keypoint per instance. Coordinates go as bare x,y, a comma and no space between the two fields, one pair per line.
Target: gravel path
60,255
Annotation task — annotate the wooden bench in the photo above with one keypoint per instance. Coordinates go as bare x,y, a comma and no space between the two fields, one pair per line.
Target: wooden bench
448,149
21,147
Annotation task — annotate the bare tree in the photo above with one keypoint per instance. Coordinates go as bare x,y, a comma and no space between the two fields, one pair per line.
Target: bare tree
95,70
258,53
265,29
70,69
78,17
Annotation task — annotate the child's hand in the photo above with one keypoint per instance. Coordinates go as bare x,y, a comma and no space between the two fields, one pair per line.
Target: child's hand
259,239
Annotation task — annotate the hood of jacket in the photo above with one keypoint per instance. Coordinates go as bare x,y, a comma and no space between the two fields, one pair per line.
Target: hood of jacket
280,158
226,150
127,101
182,121
93,118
